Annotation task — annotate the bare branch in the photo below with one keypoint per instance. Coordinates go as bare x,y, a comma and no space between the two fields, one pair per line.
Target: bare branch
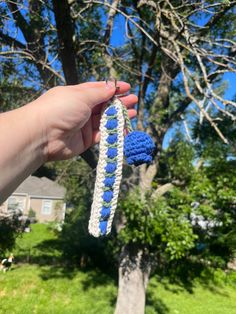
12,42
162,190
29,56
189,94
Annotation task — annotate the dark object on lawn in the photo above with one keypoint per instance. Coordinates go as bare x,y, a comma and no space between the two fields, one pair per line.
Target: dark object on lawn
6,263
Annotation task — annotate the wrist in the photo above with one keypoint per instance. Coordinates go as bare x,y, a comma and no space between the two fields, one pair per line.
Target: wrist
23,146
36,132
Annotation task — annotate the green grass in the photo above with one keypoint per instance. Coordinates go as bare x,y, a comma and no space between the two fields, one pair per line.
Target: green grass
41,243
167,298
31,288
40,233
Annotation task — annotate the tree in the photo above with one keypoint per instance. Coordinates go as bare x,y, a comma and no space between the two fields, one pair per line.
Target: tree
11,227
184,65
176,53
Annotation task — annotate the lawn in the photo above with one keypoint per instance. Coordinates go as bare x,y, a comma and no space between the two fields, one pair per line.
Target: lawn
42,288
172,299
34,289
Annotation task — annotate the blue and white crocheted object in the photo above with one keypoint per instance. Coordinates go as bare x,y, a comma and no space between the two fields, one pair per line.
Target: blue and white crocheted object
137,147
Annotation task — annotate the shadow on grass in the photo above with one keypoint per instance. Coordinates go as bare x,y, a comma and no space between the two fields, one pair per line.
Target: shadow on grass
153,301
96,278
184,275
156,304
48,256
45,253
93,278
57,272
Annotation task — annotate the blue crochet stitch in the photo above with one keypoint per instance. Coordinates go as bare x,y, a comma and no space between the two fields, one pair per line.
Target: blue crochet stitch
110,168
138,148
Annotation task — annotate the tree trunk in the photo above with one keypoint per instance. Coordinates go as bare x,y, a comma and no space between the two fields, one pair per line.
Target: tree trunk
66,33
134,271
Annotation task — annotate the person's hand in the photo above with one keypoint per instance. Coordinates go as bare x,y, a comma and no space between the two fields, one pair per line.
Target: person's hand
70,116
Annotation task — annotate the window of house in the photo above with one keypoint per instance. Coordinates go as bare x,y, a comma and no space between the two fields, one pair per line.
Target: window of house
15,203
46,207
12,203
21,204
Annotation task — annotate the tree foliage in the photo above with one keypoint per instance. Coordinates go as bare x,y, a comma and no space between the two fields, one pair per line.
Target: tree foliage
10,228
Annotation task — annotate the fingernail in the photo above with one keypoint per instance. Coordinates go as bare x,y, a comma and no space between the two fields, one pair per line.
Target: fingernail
111,84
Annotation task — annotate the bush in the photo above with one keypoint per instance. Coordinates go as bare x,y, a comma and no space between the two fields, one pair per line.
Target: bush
10,228
32,216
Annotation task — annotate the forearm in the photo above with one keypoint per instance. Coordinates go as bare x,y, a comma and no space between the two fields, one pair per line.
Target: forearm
22,145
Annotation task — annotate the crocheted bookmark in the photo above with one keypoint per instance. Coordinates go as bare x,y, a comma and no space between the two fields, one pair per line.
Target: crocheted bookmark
137,147
109,169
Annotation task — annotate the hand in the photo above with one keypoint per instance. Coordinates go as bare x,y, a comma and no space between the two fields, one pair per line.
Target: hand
70,116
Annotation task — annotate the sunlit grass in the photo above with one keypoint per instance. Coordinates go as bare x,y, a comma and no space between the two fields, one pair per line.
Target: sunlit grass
34,289
211,299
51,288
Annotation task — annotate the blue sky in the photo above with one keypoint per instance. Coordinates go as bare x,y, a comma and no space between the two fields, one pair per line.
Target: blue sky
231,90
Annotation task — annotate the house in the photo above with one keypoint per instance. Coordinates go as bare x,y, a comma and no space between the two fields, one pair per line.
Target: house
41,195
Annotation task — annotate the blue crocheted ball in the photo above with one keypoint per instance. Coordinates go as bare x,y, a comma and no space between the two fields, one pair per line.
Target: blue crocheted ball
138,148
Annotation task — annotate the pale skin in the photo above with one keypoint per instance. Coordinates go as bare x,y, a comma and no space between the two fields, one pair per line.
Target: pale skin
60,124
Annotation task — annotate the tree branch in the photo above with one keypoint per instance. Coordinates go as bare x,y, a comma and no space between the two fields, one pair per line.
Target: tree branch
162,190
110,21
65,33
12,42
21,21
226,6
107,37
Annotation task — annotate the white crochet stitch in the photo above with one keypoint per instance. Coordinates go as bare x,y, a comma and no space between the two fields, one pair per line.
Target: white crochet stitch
98,201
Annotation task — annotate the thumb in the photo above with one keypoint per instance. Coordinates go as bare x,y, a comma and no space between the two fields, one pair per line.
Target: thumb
95,95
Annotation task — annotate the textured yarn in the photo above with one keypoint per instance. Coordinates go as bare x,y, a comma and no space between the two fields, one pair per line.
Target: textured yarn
111,124
103,227
112,152
111,111
109,181
138,148
109,169
112,138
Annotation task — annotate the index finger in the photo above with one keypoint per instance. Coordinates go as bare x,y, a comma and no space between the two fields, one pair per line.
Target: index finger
121,86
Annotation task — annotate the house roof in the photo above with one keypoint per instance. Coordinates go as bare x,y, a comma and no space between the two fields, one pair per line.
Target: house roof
41,187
